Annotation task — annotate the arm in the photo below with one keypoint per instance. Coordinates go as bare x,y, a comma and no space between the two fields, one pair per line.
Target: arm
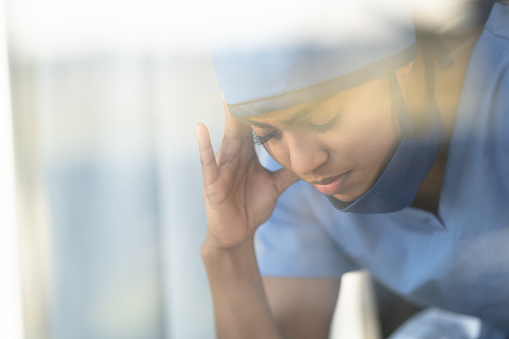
240,195
303,307
244,307
240,304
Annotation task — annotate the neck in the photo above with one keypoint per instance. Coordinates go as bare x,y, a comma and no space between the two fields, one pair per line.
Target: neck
448,85
449,82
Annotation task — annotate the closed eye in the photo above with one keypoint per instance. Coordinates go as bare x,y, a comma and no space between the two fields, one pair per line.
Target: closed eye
260,140
325,127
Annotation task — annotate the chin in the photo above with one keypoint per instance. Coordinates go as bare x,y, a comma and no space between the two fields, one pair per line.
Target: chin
354,190
351,195
345,197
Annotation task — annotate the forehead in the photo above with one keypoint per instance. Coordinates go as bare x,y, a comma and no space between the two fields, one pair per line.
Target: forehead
359,95
286,116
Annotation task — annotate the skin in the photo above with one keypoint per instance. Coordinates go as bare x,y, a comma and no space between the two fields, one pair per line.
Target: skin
240,194
355,131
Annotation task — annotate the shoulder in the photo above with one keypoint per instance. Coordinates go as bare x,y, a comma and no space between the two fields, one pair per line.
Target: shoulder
486,82
490,65
497,23
491,54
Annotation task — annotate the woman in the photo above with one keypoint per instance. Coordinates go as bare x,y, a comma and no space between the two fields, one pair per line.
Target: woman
413,153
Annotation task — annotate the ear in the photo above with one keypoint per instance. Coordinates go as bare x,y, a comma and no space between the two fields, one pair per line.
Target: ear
408,78
411,76
405,73
406,69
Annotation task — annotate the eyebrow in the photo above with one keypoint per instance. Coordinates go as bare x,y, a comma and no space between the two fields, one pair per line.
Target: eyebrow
307,109
247,121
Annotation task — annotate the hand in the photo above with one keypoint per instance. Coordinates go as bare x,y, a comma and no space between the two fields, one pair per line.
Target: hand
240,194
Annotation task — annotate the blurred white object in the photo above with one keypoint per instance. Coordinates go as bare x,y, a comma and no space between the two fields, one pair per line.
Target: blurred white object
11,313
356,313
439,324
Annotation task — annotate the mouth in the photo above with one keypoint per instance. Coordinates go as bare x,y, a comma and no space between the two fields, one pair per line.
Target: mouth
331,185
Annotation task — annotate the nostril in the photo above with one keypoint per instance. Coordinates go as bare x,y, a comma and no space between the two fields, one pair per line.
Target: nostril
306,162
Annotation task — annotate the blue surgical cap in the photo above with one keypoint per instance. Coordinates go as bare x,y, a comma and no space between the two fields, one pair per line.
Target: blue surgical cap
267,62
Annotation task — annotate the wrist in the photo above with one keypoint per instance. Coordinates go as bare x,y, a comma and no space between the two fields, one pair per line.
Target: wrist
226,241
211,248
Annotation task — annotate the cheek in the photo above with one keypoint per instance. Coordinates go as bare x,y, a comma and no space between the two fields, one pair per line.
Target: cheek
279,153
369,137
380,146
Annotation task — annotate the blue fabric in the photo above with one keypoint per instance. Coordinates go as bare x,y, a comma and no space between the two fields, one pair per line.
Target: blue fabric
459,260
265,76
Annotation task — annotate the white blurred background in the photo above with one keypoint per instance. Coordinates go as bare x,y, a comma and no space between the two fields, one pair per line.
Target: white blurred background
105,96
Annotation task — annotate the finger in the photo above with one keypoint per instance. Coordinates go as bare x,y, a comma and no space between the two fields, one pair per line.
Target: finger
207,158
284,178
233,128
237,140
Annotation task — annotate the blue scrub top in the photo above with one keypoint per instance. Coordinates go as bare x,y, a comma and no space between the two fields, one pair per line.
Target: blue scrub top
457,261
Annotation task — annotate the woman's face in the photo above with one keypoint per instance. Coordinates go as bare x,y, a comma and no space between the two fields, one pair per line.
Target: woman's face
341,145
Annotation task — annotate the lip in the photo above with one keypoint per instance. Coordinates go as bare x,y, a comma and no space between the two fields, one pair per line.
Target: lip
331,185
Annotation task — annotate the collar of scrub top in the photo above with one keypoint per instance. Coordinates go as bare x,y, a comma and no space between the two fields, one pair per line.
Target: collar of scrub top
260,75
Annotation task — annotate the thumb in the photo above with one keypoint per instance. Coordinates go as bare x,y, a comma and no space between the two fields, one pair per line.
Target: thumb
284,178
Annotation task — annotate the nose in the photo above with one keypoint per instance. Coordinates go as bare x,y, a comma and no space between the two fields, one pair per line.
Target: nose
305,154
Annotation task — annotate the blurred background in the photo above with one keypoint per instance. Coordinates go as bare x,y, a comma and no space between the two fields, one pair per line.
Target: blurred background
105,96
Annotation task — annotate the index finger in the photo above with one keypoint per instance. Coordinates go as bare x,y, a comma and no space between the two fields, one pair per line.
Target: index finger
207,157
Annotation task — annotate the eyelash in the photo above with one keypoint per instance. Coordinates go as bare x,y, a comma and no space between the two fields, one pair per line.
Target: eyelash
325,127
260,140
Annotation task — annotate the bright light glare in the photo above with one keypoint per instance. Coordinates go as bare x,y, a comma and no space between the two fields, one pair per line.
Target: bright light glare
62,27
10,275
